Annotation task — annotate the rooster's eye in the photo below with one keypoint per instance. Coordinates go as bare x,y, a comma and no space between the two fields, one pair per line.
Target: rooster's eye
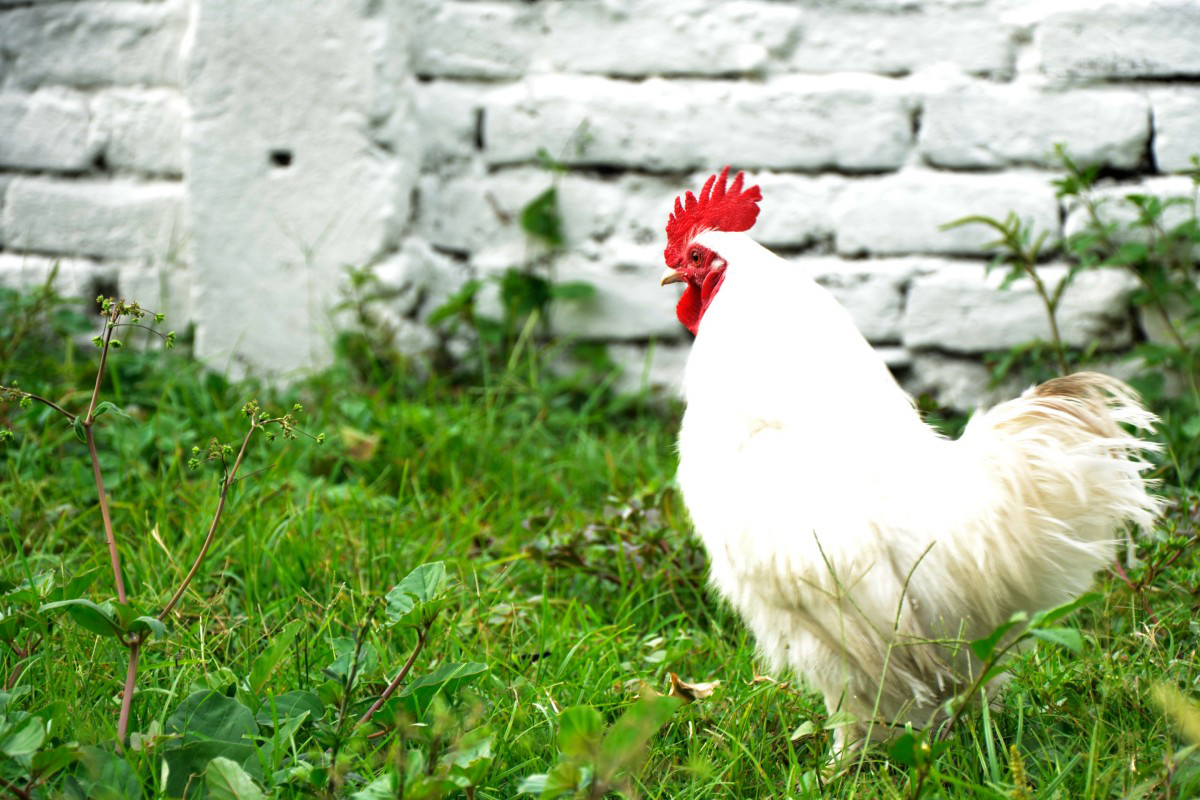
695,256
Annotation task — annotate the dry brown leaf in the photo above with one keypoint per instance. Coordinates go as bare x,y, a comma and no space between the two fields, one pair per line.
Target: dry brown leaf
687,692
359,446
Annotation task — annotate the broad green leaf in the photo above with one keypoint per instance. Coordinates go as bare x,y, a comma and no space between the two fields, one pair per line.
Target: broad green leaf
22,739
147,623
382,788
626,740
804,731
446,679
289,706
48,762
1058,612
533,784
579,731
341,668
565,777
904,750
1065,637
226,780
111,777
106,406
984,648
541,220
423,585
79,428
88,615
211,725
471,756
212,715
265,663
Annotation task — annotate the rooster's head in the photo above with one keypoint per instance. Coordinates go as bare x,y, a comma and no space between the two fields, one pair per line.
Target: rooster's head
720,207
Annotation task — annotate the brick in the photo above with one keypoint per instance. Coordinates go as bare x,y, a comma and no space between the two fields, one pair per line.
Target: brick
453,110
628,303
1176,128
848,122
75,277
106,220
5,180
957,383
795,208
1122,40
872,290
901,214
960,309
95,43
473,212
986,126
474,39
46,130
1112,207
891,43
421,278
636,38
141,130
469,212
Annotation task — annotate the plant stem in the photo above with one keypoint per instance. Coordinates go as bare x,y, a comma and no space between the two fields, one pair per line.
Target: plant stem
113,554
109,322
41,400
1051,316
395,684
984,669
212,528
135,651
17,791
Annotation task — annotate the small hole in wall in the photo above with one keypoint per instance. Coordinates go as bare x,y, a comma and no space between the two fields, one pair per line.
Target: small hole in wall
281,158
105,286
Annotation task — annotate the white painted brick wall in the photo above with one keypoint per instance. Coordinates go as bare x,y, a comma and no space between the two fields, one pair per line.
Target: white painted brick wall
119,219
1001,125
45,130
95,43
960,309
903,213
1176,128
141,130
1142,39
232,156
975,40
848,122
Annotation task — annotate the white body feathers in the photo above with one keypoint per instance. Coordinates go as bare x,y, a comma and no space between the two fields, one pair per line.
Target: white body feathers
818,492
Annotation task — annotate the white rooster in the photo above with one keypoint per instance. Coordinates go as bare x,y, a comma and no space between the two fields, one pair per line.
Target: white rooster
820,493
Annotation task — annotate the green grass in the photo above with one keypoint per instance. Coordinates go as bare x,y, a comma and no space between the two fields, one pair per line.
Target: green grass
577,580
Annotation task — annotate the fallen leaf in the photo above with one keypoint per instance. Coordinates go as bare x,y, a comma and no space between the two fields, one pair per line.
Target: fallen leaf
360,446
687,692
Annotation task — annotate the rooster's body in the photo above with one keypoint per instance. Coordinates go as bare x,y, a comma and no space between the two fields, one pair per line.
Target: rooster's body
857,543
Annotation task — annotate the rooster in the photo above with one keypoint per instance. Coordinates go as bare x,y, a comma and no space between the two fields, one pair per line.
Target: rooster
859,545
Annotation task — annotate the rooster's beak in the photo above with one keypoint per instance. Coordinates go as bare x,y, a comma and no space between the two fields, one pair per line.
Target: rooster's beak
671,276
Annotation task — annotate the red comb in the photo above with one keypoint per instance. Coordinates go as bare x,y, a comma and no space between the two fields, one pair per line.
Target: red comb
717,209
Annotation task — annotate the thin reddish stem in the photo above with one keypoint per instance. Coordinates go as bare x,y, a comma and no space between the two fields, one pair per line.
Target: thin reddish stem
113,554
40,399
395,684
212,528
135,651
109,322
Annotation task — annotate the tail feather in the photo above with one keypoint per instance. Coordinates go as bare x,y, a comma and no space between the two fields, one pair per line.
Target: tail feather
1069,480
